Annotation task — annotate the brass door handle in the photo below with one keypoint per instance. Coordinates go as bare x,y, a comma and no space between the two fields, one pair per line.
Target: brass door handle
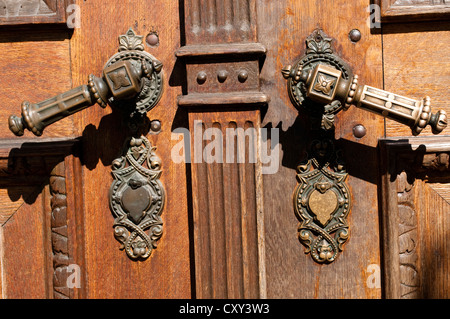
132,81
322,84
325,79
123,79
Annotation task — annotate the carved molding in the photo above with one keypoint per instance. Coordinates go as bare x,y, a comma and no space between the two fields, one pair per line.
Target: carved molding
227,212
405,10
220,21
15,12
59,232
403,162
407,239
222,54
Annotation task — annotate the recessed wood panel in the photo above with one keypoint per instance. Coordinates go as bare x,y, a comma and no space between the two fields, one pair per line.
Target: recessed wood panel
35,66
20,12
283,27
404,10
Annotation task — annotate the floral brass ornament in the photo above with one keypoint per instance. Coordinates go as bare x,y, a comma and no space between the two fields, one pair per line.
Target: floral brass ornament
137,199
318,52
324,84
137,195
131,48
322,202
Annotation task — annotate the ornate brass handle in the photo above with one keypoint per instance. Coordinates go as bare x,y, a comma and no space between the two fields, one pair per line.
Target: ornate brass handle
322,84
132,82
127,76
323,78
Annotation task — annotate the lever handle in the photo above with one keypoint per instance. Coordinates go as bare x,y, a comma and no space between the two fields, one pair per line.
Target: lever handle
132,81
130,77
325,84
120,81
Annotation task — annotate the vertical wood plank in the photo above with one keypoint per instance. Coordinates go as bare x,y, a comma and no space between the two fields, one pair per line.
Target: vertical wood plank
110,273
221,41
226,208
283,27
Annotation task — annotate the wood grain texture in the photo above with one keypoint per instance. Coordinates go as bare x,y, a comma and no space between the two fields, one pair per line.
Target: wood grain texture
283,27
35,67
226,207
24,260
420,68
109,271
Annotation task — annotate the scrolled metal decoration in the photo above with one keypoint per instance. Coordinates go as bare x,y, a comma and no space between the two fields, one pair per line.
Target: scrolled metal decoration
322,202
137,195
318,51
137,199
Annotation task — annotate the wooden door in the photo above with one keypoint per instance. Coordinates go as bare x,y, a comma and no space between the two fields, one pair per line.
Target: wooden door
398,238
55,215
229,225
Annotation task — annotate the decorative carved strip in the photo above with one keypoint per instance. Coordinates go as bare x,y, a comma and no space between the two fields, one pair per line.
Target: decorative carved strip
13,12
407,164
408,241
220,21
226,212
59,233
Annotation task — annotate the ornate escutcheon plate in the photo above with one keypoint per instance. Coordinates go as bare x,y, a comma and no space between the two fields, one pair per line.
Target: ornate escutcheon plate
137,199
322,203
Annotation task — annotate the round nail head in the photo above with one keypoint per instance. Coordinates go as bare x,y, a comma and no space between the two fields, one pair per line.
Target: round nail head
155,126
222,76
201,77
243,76
152,39
355,35
359,131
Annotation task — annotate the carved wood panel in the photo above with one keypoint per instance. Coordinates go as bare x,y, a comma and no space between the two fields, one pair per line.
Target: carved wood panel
402,10
33,218
227,207
14,12
415,217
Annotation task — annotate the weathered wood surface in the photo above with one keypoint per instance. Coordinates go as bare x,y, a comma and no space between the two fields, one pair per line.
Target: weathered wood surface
416,65
415,217
167,273
283,27
20,12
